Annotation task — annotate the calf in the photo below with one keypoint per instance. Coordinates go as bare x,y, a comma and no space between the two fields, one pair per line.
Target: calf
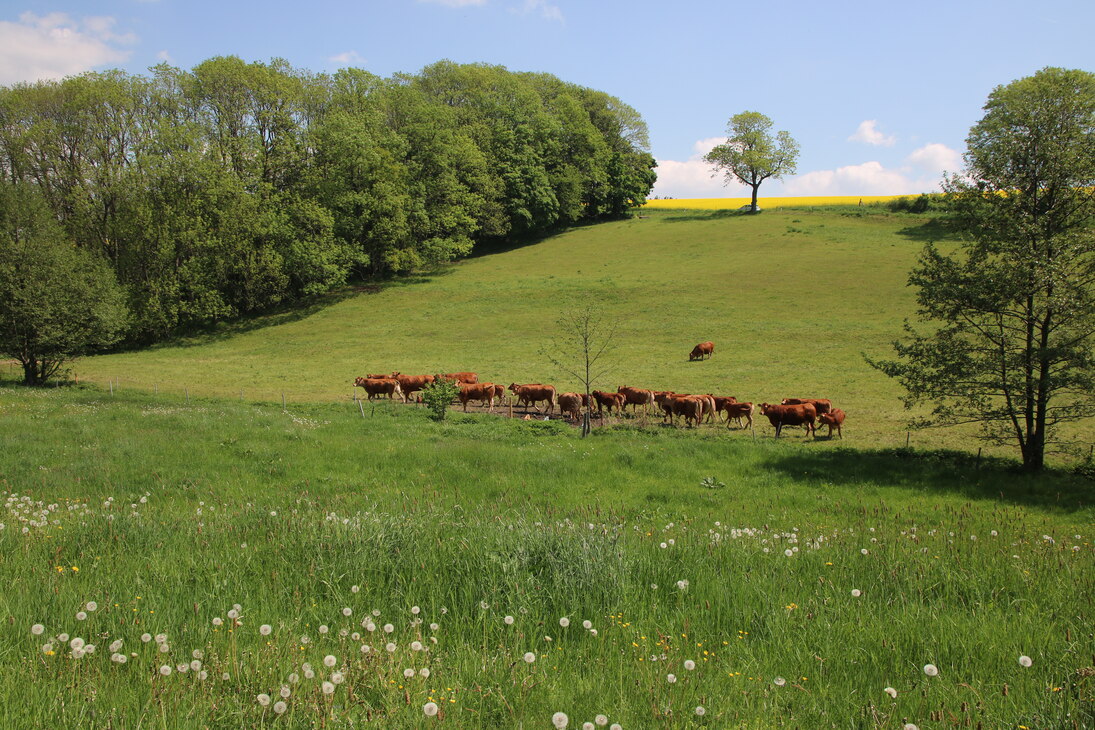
790,415
738,411
608,400
570,404
533,393
833,418
635,397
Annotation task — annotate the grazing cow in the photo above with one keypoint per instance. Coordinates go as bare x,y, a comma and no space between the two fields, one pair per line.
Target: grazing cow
468,378
722,401
834,417
532,393
482,392
380,376
376,387
636,397
790,415
702,349
821,405
608,400
738,411
570,404
411,384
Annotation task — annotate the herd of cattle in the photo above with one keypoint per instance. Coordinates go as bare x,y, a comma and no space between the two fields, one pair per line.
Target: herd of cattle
694,409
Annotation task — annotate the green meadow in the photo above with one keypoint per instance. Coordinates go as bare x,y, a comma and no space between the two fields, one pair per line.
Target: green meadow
236,564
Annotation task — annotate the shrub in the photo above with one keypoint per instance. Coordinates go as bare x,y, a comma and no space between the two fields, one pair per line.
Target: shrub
438,396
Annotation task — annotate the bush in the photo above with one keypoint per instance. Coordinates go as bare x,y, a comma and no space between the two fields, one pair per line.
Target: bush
438,396
920,204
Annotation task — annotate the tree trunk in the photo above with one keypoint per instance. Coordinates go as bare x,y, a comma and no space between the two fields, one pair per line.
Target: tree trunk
756,189
31,376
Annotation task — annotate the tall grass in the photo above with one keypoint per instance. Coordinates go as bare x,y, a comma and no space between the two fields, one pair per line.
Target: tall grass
167,514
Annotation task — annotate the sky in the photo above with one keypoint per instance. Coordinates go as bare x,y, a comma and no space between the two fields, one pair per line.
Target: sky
880,96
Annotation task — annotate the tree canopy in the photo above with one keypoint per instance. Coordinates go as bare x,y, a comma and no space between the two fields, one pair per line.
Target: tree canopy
1014,309
234,186
751,155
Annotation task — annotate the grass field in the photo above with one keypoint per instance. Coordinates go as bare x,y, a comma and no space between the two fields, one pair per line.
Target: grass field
767,203
791,596
237,564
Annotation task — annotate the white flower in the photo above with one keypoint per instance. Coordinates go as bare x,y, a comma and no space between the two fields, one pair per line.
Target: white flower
217,621
788,552
309,674
47,648
593,632
689,664
80,615
329,660
226,676
700,711
864,551
390,646
587,624
564,622
92,606
416,646
146,638
779,681
931,670
76,643
1025,661
416,610
264,700
328,688
294,678
560,719
233,613
355,589
909,726
601,720
434,627
165,670
429,709
118,658
285,691
424,672
323,628
508,620
196,665
337,678
347,611
388,628
529,657
115,645
265,629
663,546
408,673
672,678
37,629
856,593
280,707
891,692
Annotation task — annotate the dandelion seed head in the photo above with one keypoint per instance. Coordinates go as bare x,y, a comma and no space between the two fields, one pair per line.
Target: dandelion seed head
601,720
165,670
689,664
424,672
560,719
891,692
779,681
416,646
564,622
587,624
328,688
355,589
280,707
324,628
390,647
671,678
931,670
146,638
429,709
264,699
92,606
856,593
37,629
330,660
347,611
508,620
337,678
700,710
388,628
266,629
529,657
1025,661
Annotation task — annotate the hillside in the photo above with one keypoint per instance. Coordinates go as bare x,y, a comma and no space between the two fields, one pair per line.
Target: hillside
792,299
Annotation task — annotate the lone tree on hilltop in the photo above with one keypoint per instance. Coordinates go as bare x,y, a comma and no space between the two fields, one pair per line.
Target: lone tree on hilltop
751,155
1015,307
56,300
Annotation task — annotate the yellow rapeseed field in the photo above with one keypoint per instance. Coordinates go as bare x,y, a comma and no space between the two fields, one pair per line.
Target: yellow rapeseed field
735,203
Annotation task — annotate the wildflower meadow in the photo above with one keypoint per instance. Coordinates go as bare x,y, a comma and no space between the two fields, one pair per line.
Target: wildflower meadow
214,563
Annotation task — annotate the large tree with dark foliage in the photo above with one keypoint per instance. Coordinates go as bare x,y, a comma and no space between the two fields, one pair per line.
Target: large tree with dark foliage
1014,309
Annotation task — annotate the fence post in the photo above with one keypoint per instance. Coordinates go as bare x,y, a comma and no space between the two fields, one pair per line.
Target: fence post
111,388
187,395
908,435
283,400
361,407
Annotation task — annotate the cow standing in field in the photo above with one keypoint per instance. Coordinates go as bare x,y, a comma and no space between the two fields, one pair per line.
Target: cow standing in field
834,418
692,407
704,349
411,384
635,397
570,404
533,393
376,387
821,405
608,401
468,378
790,415
481,392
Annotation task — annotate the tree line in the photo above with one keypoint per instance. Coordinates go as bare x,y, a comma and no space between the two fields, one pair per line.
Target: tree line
234,186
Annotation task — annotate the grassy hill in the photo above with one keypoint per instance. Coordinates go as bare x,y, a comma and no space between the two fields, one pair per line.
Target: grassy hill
792,299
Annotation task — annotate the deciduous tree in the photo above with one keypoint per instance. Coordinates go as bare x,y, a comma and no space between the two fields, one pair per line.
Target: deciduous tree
751,155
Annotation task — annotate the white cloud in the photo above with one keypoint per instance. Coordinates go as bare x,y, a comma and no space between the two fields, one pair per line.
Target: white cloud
936,158
163,56
544,8
921,173
54,46
349,58
868,133
694,178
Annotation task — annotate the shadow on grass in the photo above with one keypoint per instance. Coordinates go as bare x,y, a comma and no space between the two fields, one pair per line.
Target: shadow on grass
939,470
935,229
690,215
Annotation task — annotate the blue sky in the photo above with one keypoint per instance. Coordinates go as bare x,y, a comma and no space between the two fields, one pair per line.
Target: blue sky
880,96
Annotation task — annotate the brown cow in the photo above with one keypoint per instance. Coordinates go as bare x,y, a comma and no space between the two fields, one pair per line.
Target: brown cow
665,400
790,415
608,400
722,401
821,405
833,418
690,406
570,404
636,397
411,384
704,348
380,376
468,378
482,392
379,386
737,411
532,393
